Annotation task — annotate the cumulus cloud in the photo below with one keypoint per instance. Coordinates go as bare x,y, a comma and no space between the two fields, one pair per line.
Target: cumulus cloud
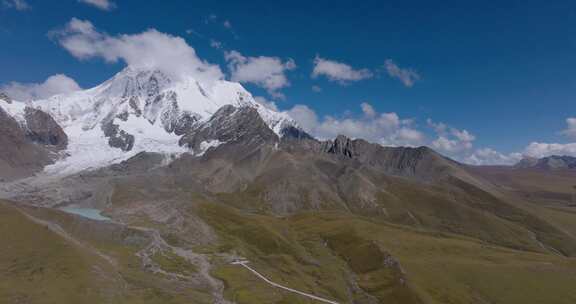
150,49
450,140
570,131
104,5
266,72
459,145
539,150
19,5
407,76
488,156
338,71
53,85
316,89
383,128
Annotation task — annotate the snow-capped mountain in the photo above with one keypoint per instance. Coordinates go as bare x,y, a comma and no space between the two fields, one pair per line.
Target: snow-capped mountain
139,110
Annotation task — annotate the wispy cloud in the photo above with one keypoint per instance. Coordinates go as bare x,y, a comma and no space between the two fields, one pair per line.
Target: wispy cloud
19,5
216,44
406,75
104,5
338,71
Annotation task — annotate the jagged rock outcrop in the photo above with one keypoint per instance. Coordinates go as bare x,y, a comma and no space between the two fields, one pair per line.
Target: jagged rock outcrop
5,97
42,129
230,125
19,157
421,163
118,138
341,145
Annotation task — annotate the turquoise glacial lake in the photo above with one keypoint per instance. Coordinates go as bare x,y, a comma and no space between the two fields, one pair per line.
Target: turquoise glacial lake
90,213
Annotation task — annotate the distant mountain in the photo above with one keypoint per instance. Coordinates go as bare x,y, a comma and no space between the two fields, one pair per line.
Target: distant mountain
548,163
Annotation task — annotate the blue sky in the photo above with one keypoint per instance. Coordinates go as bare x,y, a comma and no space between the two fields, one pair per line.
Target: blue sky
501,70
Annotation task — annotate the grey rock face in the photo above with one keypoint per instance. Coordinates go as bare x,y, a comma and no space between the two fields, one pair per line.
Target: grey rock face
5,97
118,138
185,123
19,157
231,125
295,133
133,102
41,128
342,145
422,162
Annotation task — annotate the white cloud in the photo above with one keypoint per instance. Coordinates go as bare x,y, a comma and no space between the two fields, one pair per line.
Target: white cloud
147,50
266,72
450,140
450,146
488,156
227,24
383,128
570,131
539,150
368,109
104,5
53,85
216,44
463,135
338,71
389,129
407,76
439,127
19,5
316,89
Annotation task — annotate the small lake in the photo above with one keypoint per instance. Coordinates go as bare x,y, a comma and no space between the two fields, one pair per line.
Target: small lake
90,213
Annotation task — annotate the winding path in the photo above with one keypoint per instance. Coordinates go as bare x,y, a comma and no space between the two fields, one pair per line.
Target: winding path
244,264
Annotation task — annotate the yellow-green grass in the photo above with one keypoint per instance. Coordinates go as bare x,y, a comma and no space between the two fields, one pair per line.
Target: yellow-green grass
73,274
173,263
39,266
318,252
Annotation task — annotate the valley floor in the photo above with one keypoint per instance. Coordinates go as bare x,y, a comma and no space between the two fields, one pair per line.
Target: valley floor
59,258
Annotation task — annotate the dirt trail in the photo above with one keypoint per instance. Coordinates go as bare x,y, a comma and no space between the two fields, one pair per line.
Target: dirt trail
265,279
202,261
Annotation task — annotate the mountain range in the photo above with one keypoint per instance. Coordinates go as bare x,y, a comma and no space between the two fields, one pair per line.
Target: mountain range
190,176
553,162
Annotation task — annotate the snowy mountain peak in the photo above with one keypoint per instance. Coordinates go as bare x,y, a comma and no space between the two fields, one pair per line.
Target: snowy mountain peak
134,82
141,110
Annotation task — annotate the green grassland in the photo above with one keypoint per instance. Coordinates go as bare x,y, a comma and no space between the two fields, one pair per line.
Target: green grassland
40,266
316,252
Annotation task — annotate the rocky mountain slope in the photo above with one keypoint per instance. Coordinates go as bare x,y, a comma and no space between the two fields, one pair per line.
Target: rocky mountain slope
195,175
136,111
554,162
29,139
